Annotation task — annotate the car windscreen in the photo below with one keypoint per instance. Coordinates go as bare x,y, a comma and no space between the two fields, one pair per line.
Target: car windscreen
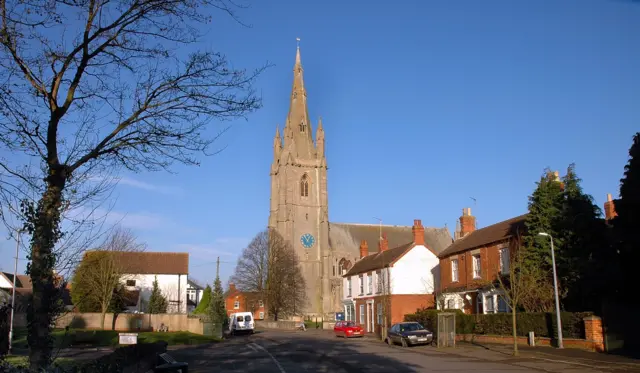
247,318
240,318
410,327
350,323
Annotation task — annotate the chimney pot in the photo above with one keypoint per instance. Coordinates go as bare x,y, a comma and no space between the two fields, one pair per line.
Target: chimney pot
609,198
364,249
609,208
418,232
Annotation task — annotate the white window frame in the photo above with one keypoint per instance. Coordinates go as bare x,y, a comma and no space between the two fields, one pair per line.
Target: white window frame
477,266
455,270
349,287
370,283
378,282
260,304
379,314
504,260
261,314
236,305
362,314
361,277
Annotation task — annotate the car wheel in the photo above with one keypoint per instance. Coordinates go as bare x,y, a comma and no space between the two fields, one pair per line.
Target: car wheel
404,343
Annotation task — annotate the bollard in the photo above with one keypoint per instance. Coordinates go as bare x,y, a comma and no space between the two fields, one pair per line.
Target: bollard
532,339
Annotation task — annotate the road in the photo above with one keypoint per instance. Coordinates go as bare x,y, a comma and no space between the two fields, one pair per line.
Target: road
315,352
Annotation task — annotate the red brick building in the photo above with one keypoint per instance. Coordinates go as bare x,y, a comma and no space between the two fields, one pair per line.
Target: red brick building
391,282
473,261
238,301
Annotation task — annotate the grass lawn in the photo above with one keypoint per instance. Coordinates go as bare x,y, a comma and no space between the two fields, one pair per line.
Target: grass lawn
23,361
105,338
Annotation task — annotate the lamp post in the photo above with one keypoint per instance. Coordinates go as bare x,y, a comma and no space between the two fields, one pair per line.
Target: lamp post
13,296
555,289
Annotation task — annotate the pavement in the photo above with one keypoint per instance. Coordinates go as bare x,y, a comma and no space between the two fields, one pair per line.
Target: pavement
278,351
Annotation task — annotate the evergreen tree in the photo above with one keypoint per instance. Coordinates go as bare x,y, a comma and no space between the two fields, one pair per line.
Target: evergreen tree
157,302
203,306
584,238
217,309
545,212
625,225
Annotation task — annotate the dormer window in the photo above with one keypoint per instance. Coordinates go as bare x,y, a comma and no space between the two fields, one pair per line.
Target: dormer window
304,186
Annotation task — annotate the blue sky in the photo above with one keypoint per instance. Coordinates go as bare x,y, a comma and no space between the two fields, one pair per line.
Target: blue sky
424,104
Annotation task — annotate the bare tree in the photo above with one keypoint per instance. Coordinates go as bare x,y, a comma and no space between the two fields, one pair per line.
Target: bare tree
95,85
516,281
100,274
285,286
250,274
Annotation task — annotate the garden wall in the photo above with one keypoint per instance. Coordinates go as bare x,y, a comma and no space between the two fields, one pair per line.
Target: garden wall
132,322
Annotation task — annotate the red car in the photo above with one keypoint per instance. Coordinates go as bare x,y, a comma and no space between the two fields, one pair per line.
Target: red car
348,329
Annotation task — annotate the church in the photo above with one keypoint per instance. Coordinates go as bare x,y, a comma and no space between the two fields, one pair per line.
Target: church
299,209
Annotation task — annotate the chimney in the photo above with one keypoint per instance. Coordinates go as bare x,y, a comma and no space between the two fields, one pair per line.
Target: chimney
467,222
609,208
232,287
418,232
364,249
383,243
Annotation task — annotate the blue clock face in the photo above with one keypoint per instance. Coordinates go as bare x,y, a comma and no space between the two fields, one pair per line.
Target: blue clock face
307,240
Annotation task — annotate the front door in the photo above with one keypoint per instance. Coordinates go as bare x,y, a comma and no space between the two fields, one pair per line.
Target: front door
369,317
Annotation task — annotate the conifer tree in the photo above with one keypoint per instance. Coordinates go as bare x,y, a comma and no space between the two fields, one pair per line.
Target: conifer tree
217,309
203,306
157,302
545,212
627,239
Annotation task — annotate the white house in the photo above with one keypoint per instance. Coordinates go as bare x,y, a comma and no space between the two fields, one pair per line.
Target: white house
406,275
140,269
194,295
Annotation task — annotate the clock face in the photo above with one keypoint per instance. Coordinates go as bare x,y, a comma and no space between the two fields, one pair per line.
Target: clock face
307,240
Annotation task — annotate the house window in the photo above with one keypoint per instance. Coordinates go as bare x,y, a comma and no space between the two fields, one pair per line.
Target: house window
304,186
476,266
379,282
454,270
236,305
362,314
504,260
379,313
342,267
370,283
349,287
488,304
261,315
131,282
451,303
192,295
361,285
260,304
502,304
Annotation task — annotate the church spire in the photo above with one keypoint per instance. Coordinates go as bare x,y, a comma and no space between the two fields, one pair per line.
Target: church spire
298,126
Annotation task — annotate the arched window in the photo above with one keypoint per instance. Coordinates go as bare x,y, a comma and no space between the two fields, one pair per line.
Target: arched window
303,127
341,266
304,186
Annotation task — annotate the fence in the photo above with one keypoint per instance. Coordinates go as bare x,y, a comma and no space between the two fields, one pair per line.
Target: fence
132,322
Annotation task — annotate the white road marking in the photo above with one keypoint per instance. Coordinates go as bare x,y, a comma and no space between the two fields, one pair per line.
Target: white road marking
255,345
250,345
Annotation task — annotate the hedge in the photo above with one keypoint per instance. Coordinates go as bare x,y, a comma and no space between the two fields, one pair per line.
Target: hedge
543,323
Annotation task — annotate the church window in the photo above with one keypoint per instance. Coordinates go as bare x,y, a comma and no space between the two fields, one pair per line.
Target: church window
304,186
303,127
306,216
342,264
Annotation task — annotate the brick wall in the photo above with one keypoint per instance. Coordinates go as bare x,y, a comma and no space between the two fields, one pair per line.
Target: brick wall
400,305
131,321
244,305
490,266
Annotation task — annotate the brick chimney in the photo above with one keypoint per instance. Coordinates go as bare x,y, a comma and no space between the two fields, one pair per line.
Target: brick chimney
609,208
418,232
383,243
232,287
467,222
364,249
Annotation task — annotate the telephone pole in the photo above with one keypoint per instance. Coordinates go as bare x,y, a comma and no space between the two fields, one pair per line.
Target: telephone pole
218,267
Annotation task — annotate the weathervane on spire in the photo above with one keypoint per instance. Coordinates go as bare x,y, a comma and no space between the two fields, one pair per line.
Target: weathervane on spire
298,42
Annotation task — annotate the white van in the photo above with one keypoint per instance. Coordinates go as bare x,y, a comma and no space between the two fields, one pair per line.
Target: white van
241,322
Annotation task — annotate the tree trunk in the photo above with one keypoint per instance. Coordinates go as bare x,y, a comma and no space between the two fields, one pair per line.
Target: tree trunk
103,314
515,336
45,302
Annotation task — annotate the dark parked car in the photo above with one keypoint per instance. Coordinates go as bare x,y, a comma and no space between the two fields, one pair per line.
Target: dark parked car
409,334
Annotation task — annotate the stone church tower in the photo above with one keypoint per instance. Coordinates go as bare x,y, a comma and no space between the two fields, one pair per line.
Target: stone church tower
299,207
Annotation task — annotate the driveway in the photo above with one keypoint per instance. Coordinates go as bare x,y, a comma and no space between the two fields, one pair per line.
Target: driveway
274,351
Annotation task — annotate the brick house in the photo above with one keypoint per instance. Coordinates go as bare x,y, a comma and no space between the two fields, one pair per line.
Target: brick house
403,277
239,301
473,261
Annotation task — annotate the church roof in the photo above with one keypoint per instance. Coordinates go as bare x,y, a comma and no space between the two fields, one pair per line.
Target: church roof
348,236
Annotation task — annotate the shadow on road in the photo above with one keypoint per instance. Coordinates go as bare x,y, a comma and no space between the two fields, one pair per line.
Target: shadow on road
293,352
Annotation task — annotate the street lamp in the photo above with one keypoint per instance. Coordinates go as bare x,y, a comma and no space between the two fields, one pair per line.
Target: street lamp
13,297
555,289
